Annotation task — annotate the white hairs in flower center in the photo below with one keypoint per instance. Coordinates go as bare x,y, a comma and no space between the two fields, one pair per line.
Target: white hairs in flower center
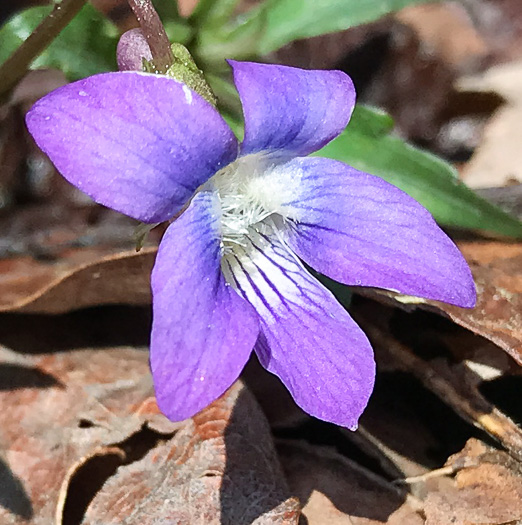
251,196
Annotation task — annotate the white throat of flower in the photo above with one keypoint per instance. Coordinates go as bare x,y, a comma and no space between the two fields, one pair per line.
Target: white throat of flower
252,197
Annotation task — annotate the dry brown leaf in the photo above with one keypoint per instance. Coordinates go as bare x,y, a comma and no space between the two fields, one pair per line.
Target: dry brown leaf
186,7
454,383
497,316
55,409
488,492
82,278
497,270
337,491
496,162
499,22
71,420
221,468
446,30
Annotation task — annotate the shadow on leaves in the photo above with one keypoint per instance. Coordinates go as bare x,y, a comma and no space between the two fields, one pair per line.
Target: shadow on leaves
13,496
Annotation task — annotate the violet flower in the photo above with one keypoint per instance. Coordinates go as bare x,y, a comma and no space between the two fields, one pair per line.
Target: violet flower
228,276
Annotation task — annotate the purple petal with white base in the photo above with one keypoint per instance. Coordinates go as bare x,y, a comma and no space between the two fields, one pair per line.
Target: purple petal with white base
291,111
307,339
202,332
359,230
135,142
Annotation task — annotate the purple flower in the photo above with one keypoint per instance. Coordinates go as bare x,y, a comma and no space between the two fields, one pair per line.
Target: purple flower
228,276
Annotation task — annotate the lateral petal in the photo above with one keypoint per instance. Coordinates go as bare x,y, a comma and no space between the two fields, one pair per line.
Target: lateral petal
203,332
360,230
138,143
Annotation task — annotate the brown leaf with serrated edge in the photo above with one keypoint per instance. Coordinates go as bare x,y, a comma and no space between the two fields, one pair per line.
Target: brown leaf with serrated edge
121,278
57,407
337,491
488,490
221,468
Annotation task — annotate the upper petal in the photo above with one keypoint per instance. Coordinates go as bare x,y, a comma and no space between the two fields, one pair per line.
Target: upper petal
360,230
307,339
138,143
289,110
202,331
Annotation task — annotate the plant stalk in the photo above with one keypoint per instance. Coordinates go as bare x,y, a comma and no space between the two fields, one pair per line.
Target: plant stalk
17,65
154,33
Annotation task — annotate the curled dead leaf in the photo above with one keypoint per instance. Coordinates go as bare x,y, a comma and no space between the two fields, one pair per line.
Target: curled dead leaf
55,408
497,270
488,491
81,280
220,468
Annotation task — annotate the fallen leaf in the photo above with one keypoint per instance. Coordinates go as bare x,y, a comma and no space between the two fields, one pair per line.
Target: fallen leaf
186,7
454,383
220,468
497,316
81,278
446,30
54,409
497,270
487,492
496,162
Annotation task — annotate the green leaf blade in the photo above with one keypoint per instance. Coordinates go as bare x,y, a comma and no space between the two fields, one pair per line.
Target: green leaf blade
85,47
288,20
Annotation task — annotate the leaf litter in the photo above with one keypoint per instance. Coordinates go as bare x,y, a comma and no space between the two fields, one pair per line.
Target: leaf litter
81,438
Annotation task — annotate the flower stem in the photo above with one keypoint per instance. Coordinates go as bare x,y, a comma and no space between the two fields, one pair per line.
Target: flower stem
154,32
16,66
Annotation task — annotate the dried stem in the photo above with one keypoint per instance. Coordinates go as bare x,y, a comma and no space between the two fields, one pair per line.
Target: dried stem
154,32
16,66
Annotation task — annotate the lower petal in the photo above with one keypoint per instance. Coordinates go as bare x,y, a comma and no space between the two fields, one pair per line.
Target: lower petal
360,230
307,339
203,332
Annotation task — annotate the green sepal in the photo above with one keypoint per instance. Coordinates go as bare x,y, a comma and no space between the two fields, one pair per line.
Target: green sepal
185,70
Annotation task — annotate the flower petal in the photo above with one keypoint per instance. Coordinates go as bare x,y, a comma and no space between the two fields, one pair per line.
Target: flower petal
138,143
290,110
359,230
202,331
307,339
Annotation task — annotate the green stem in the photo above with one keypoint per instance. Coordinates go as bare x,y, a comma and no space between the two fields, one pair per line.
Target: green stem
17,65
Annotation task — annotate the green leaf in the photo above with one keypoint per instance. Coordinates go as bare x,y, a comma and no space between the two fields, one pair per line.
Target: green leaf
213,12
85,47
176,27
237,41
367,145
288,20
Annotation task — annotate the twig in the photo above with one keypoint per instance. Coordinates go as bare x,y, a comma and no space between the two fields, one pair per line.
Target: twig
16,66
437,473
